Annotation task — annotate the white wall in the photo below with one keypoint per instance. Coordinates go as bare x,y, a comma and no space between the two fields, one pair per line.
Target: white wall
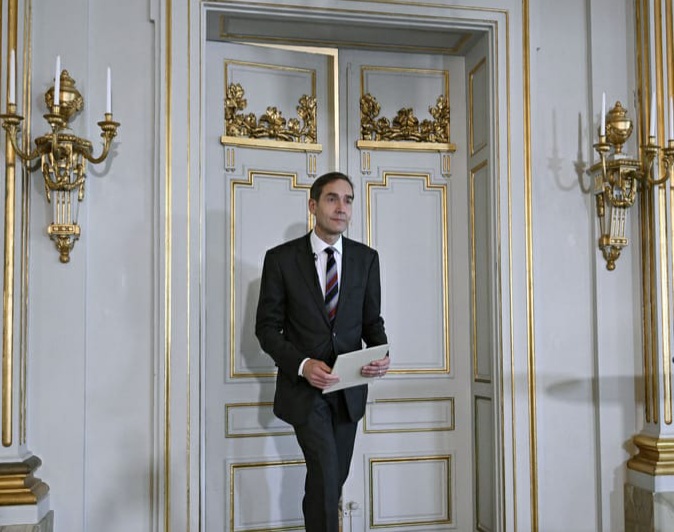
587,318
93,323
91,347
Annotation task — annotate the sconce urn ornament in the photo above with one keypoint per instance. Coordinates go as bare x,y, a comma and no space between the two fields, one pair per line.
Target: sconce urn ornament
617,176
63,154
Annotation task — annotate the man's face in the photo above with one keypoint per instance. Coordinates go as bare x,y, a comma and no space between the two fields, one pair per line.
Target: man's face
332,210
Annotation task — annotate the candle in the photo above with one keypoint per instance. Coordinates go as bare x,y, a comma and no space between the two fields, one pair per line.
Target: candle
652,131
57,81
602,124
671,118
11,97
108,99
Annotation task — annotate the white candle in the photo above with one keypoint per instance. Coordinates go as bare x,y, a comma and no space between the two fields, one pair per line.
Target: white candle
57,81
671,118
11,97
108,99
602,124
652,131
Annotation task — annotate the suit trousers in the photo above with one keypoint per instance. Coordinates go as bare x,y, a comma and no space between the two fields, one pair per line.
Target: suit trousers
327,440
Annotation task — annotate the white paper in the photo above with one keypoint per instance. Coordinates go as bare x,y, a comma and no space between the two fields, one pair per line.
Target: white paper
348,366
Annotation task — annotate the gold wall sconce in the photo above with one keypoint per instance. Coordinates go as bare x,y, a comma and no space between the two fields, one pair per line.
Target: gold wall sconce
63,154
617,176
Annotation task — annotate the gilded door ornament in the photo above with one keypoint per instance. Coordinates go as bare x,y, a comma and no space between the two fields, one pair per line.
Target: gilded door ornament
405,131
271,129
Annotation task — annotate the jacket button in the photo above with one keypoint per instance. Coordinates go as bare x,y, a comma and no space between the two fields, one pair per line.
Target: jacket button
334,334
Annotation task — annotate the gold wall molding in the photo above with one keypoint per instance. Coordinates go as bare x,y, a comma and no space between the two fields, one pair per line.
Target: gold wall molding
18,486
654,57
9,248
655,456
271,129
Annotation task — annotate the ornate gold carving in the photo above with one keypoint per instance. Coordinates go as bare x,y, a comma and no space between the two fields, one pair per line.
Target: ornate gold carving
272,124
405,126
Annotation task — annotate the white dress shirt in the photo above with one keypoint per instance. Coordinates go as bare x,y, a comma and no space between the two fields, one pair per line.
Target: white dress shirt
321,260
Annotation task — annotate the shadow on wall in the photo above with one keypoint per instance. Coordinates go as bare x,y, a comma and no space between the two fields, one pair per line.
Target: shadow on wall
621,397
261,364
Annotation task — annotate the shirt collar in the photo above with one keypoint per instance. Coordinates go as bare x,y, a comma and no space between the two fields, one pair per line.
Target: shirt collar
318,245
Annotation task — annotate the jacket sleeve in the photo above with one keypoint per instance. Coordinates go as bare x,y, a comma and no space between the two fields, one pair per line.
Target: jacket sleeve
373,324
271,319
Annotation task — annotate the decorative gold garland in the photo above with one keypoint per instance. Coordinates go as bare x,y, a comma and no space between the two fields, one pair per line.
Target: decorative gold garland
405,126
272,124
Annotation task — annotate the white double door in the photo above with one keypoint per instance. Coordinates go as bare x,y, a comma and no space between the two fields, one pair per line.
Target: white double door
413,462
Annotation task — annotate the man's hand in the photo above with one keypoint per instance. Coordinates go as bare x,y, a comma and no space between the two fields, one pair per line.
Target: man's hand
318,373
376,368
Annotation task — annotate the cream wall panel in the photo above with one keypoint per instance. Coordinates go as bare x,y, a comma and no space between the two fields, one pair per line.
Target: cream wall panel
253,229
485,470
264,494
421,84
478,102
407,415
415,244
254,419
481,291
268,84
618,369
586,317
427,498
91,323
564,246
56,416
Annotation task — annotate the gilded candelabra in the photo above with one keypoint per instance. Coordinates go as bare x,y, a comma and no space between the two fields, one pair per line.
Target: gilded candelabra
63,155
618,176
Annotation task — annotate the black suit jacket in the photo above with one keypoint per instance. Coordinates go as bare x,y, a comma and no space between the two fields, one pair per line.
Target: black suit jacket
292,323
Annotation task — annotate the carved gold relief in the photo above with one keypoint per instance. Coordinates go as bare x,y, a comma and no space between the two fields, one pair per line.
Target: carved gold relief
242,128
405,131
405,126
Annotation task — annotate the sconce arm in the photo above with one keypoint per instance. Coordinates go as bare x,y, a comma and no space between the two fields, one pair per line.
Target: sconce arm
108,132
650,156
654,182
10,123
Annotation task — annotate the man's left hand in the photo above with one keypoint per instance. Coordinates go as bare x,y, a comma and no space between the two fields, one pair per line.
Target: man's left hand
376,368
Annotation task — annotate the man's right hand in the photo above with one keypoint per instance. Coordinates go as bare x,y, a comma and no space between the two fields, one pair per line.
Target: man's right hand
318,373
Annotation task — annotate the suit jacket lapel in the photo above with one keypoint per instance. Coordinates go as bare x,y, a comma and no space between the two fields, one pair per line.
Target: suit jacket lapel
346,280
306,265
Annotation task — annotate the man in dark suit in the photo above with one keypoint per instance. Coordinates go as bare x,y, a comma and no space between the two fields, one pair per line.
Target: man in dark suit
320,296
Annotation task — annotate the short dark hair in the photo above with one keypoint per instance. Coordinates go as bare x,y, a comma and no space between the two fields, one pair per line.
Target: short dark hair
317,186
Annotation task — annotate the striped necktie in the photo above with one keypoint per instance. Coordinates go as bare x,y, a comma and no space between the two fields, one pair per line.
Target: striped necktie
331,284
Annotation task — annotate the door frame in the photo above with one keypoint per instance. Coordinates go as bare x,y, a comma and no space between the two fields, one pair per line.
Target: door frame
179,434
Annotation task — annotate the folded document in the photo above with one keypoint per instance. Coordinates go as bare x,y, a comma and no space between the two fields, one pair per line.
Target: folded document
348,366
